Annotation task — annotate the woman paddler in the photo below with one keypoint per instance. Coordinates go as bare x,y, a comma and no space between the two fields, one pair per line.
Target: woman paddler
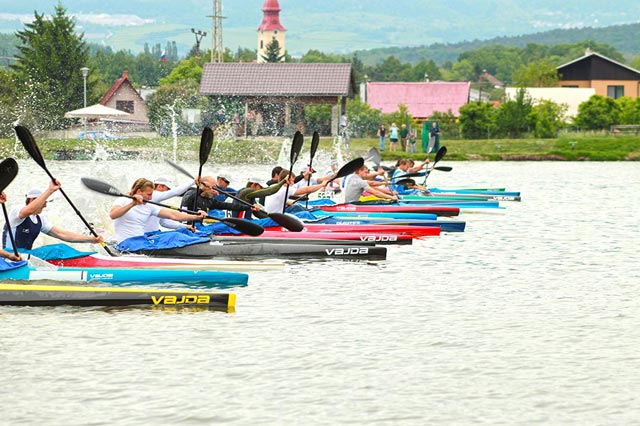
130,215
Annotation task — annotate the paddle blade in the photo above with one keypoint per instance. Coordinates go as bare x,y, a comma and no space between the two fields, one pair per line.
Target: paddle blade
296,147
8,171
441,152
406,182
443,168
288,221
349,168
29,143
206,142
374,156
101,187
179,168
244,226
315,142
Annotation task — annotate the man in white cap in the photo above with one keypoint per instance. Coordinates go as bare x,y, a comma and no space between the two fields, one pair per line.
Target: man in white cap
28,222
162,191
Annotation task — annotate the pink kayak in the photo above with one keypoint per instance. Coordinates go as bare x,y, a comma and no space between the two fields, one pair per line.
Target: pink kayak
322,228
385,208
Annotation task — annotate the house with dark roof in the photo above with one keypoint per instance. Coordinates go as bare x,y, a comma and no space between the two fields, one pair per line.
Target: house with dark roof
422,99
274,94
124,97
608,77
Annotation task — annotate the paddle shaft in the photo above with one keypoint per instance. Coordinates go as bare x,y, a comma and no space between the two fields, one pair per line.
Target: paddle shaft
6,220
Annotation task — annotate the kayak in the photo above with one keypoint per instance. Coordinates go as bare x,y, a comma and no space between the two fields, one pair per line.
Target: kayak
483,192
55,295
374,215
216,249
416,227
415,231
394,208
341,238
97,260
467,204
127,276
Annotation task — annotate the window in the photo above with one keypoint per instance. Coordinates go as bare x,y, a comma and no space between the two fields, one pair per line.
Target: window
261,44
615,92
126,106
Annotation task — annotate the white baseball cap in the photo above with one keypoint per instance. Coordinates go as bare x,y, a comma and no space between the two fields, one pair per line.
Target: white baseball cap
163,181
33,193
259,181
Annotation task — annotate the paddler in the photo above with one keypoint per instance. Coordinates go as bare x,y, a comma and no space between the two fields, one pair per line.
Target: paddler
162,191
4,253
206,198
130,215
358,184
274,203
28,222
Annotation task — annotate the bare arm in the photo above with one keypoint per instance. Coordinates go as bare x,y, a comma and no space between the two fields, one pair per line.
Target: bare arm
72,237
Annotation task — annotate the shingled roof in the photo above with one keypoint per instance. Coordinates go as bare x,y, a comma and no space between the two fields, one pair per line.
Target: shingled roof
277,79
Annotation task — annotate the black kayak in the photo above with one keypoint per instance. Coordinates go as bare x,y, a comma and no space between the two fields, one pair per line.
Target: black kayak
218,249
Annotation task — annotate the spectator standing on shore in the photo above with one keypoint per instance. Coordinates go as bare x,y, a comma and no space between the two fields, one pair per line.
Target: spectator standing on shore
434,138
344,124
382,134
393,137
404,134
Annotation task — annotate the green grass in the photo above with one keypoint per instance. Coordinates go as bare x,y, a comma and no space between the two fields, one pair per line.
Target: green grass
566,148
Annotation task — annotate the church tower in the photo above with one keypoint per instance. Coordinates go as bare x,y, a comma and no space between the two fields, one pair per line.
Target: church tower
270,29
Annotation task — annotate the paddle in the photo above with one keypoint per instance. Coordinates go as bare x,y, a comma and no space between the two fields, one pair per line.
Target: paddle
348,168
290,222
8,171
296,146
441,153
29,144
315,141
206,142
244,226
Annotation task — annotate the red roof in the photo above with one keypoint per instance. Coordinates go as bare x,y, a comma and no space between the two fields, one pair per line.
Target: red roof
113,89
271,18
421,99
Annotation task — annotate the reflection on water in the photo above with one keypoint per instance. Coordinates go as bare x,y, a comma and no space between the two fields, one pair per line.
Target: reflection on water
527,317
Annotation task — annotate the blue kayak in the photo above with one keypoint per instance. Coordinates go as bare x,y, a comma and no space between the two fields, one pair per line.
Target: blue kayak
444,225
475,191
126,276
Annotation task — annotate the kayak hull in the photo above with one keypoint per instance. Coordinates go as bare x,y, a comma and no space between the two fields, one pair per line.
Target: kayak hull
126,276
48,295
136,261
378,208
288,251
273,236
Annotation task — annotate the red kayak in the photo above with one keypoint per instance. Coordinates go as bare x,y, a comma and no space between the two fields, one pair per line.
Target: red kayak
321,229
377,208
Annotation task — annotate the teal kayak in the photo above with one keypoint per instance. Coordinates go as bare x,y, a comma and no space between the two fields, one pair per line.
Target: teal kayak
128,276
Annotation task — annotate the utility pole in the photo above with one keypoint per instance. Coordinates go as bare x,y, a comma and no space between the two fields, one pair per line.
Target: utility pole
217,51
199,34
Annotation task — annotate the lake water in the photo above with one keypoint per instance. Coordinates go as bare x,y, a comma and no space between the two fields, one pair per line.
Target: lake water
531,316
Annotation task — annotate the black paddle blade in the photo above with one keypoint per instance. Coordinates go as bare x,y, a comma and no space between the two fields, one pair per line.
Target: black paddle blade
441,152
206,142
244,226
8,172
406,182
296,147
179,168
101,187
288,221
349,168
443,168
29,143
315,142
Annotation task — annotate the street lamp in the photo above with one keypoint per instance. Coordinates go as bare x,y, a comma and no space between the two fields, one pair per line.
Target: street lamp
85,73
199,34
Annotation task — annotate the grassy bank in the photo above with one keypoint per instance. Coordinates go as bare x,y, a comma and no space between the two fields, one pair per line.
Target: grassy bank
593,148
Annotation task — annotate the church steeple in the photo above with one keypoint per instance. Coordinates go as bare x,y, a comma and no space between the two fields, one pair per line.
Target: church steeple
270,28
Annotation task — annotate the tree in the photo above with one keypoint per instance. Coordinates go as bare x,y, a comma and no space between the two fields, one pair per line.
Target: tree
513,116
272,52
547,117
477,120
166,104
48,68
541,73
187,69
597,113
629,110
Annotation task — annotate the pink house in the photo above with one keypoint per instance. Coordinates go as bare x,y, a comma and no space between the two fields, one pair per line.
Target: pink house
421,99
